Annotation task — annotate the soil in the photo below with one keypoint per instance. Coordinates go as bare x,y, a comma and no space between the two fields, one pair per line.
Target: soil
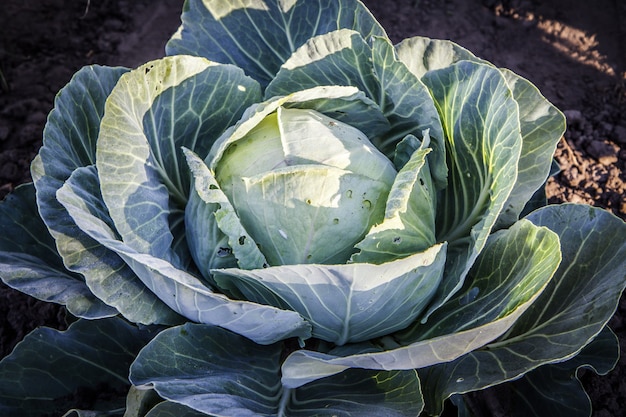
573,50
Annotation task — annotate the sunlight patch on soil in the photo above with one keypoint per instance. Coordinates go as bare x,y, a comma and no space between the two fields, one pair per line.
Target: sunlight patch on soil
576,44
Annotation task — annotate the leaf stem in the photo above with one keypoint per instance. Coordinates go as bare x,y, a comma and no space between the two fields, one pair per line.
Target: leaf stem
284,399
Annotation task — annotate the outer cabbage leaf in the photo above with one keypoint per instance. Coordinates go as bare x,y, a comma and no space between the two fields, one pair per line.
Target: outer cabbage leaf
91,413
181,291
30,263
408,106
347,303
421,54
48,366
195,365
542,124
139,402
483,143
335,58
69,142
359,392
138,300
345,58
510,274
259,35
555,389
176,101
572,310
171,409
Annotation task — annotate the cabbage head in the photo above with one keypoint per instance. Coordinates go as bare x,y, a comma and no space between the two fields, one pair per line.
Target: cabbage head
288,215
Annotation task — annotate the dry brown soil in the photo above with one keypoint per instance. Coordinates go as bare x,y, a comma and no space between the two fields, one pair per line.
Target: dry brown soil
573,50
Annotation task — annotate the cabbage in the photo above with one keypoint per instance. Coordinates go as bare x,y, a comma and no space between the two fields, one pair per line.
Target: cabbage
289,215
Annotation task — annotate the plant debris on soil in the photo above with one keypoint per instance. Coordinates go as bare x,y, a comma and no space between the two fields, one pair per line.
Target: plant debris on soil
574,51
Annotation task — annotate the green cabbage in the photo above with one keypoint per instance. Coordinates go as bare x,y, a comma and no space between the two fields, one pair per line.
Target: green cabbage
290,216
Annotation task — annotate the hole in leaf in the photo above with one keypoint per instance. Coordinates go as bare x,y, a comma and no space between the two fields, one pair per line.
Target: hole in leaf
223,252
242,240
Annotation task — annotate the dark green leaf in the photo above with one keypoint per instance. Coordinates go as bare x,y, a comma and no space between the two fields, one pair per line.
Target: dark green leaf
49,369
30,263
576,305
259,36
220,373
